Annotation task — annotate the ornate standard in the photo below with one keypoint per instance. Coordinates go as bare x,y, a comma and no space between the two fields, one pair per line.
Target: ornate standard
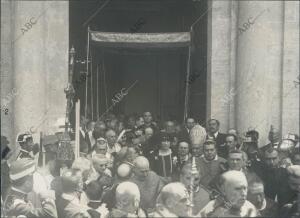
192,185
69,90
65,151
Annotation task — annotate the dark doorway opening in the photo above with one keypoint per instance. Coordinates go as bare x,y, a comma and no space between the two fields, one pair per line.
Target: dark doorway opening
161,74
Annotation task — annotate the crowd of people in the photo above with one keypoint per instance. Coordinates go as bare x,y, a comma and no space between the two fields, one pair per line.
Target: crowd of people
132,166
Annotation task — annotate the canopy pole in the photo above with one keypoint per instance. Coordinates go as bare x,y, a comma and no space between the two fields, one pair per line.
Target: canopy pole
97,86
105,88
77,129
87,71
187,85
92,93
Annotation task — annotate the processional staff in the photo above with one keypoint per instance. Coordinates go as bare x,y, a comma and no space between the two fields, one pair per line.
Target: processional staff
65,151
194,172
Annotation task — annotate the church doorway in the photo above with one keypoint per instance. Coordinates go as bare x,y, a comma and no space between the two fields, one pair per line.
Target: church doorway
157,77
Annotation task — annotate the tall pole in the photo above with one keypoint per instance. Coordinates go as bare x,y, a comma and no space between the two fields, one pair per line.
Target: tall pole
69,90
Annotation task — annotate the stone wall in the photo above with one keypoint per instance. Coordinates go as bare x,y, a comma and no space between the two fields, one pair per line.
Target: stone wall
252,78
34,48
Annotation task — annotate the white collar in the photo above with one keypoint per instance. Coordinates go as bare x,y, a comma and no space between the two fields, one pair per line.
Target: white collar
216,134
164,153
263,206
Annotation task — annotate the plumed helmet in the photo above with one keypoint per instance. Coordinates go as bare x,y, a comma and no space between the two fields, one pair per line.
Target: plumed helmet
23,137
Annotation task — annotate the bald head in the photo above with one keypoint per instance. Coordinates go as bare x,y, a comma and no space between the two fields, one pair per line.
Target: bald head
233,176
141,162
175,197
141,168
124,171
234,186
127,196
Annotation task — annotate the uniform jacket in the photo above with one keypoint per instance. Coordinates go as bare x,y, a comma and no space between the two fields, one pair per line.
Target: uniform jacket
16,204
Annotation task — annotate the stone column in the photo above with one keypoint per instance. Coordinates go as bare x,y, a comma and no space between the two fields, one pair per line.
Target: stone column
40,44
221,64
7,92
290,86
259,71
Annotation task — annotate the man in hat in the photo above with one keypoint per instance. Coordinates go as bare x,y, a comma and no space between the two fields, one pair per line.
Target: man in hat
26,143
148,182
292,209
173,201
231,201
16,204
127,201
274,138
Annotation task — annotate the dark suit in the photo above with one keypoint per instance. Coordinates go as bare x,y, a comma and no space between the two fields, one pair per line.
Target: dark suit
85,144
184,135
222,149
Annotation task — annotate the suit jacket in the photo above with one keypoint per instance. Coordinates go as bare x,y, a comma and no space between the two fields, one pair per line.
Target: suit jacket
222,149
85,144
184,135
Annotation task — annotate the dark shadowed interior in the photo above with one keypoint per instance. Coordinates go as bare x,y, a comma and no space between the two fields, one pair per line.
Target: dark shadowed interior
161,73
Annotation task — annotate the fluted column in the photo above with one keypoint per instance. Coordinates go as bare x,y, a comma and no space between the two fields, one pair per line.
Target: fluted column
39,42
290,86
7,87
259,101
221,62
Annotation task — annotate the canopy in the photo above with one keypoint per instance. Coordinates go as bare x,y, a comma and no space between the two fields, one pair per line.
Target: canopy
141,40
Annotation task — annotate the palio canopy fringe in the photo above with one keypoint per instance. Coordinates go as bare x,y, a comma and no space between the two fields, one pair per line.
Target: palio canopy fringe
141,40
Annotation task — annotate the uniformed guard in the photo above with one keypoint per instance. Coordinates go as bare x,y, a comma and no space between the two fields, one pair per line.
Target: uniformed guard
25,141
16,203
